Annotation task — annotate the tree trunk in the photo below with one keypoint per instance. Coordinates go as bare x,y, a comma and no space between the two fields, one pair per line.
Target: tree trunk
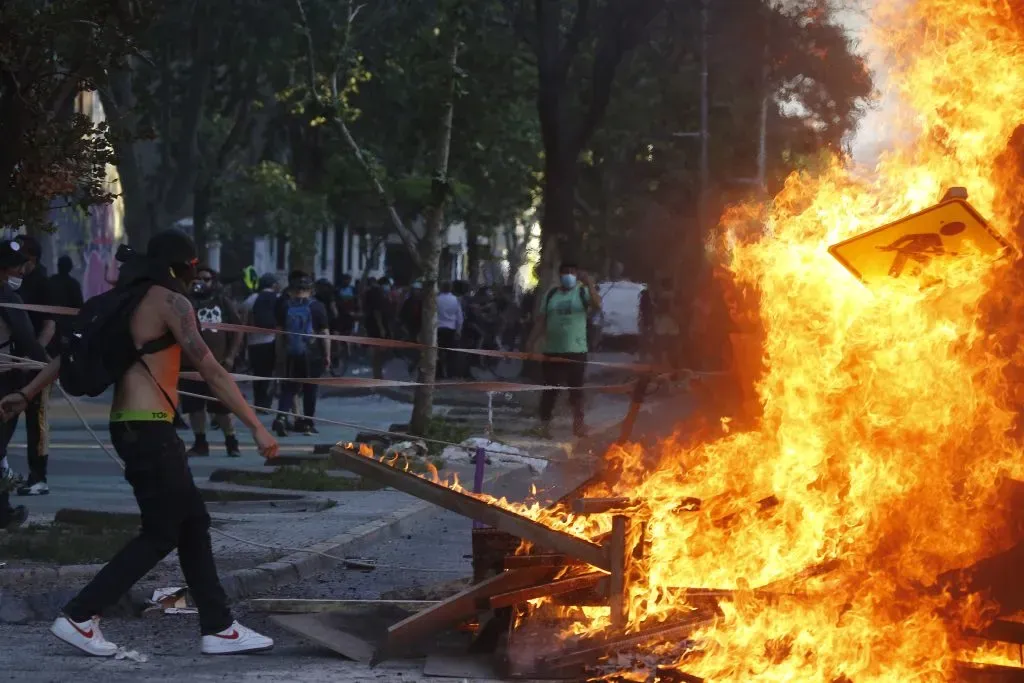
201,207
558,219
430,257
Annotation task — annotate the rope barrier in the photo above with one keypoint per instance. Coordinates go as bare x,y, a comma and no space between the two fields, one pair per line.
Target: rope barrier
349,563
27,362
375,341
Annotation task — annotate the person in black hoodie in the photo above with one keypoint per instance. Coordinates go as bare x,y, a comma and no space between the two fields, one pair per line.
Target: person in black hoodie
17,338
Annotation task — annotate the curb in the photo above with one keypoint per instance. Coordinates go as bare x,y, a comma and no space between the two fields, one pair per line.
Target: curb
238,584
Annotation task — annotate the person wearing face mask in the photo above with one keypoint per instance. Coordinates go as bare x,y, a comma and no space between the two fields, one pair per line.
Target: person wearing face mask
212,307
17,338
145,324
562,326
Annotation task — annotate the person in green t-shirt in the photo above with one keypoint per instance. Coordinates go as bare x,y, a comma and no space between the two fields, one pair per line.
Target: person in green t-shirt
562,324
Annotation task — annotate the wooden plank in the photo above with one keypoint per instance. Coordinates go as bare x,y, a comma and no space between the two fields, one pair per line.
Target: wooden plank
617,596
987,673
544,590
456,608
285,606
593,506
473,508
1003,631
316,627
540,560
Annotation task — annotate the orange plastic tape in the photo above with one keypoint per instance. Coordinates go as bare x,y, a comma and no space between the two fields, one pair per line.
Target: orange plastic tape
374,341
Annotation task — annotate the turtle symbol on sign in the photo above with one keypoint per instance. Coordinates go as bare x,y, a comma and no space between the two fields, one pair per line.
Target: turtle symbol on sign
921,248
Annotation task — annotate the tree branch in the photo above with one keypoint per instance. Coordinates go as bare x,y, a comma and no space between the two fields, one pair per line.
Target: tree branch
621,31
185,158
406,235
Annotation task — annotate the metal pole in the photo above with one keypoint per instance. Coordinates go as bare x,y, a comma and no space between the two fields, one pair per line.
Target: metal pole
705,115
762,148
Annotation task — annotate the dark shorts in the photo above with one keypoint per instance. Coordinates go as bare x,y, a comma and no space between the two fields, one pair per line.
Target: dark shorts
190,404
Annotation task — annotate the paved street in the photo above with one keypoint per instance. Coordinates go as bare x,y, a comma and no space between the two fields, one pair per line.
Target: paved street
431,547
83,476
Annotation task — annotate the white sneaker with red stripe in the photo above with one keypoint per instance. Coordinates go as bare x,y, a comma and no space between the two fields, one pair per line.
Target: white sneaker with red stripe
86,636
234,640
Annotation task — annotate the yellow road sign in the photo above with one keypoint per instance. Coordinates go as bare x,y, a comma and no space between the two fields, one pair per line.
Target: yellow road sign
901,248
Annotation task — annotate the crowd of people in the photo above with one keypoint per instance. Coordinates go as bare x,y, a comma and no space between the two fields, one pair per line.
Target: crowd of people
297,311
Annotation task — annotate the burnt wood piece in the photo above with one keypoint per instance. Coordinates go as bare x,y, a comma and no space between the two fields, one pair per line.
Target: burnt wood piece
544,590
1002,631
594,650
978,673
635,404
456,608
593,506
474,508
618,548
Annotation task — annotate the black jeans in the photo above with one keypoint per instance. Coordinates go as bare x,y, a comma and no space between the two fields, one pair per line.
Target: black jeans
564,375
446,360
173,516
261,359
301,367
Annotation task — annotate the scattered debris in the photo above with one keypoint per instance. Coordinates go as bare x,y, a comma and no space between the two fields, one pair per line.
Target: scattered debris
406,449
497,453
172,600
131,655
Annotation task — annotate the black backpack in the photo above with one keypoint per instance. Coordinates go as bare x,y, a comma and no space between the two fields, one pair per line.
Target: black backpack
264,310
99,349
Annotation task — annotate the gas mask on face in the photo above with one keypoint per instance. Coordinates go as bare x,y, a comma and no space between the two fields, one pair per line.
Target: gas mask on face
14,282
200,289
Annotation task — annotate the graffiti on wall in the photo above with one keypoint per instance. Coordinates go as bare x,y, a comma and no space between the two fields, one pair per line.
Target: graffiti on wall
91,240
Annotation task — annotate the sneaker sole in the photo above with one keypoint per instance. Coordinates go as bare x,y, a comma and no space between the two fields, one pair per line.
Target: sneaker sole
33,493
239,652
80,648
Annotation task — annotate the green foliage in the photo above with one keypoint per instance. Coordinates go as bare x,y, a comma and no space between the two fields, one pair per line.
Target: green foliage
49,52
640,181
265,200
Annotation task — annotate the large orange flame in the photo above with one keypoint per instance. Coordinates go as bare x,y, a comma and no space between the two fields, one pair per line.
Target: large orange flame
887,412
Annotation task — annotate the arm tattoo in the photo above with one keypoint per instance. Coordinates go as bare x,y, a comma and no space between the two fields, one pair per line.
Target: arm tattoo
190,338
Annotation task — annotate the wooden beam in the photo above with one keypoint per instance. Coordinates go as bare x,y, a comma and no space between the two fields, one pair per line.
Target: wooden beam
456,608
474,508
593,506
285,606
544,590
617,549
540,560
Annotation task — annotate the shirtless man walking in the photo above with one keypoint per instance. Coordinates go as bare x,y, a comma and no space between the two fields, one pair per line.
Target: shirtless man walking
174,515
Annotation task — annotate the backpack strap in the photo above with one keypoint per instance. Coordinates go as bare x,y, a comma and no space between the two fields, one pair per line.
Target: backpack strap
551,295
157,345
